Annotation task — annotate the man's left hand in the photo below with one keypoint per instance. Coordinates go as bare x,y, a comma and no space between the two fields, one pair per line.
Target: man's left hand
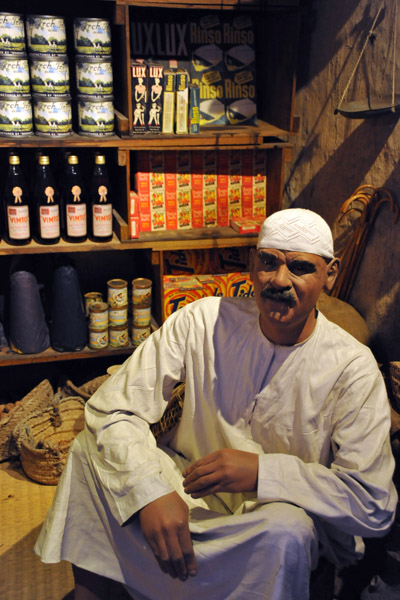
225,470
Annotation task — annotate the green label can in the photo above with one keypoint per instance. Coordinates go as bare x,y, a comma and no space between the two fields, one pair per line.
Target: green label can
92,36
94,76
52,115
46,34
14,75
15,116
49,75
12,33
96,115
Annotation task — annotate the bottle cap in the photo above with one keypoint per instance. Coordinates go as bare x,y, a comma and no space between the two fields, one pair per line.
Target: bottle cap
73,159
13,159
100,159
44,160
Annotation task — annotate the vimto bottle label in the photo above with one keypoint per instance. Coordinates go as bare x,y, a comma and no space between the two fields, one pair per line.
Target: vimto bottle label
18,222
76,220
49,221
102,220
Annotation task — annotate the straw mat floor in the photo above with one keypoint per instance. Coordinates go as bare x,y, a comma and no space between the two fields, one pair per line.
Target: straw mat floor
23,507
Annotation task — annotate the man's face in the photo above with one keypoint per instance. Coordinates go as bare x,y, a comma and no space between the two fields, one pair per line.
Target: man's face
287,285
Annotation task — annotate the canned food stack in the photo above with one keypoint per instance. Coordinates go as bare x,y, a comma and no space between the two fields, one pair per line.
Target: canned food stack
49,70
15,94
118,334
141,309
94,76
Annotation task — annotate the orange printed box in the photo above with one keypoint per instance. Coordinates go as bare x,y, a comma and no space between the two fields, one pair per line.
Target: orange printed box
142,182
145,221
177,294
134,226
222,207
213,285
239,285
222,169
197,207
158,220
210,216
171,210
234,202
184,218
133,204
247,202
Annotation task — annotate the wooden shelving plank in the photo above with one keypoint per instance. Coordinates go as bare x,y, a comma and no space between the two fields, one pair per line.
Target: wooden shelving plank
218,237
264,134
10,358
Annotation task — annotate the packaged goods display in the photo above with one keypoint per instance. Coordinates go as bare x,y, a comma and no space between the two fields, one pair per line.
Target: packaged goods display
16,205
202,188
181,290
35,90
216,52
46,211
73,203
100,202
70,205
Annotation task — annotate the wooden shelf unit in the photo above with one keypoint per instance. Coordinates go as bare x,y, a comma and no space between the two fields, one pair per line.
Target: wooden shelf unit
278,22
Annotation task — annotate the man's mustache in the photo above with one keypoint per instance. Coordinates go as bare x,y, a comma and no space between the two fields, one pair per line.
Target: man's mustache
278,295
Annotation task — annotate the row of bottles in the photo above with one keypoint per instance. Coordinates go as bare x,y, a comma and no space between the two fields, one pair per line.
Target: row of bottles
49,212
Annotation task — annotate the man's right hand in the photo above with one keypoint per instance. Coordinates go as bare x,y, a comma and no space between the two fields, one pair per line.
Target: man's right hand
165,526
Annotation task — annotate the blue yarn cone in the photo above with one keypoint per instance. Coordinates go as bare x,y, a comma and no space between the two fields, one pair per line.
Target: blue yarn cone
28,331
68,329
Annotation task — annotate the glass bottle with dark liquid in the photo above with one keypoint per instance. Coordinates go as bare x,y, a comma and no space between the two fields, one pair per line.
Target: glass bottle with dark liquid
16,205
73,203
47,205
100,203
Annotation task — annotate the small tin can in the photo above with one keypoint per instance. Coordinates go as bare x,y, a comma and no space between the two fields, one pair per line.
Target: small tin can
141,316
49,74
98,315
12,33
141,292
15,116
92,298
118,335
94,75
46,34
52,115
117,293
14,75
92,36
98,338
117,315
139,334
96,115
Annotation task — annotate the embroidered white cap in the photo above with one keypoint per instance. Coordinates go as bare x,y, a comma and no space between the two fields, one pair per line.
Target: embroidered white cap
298,230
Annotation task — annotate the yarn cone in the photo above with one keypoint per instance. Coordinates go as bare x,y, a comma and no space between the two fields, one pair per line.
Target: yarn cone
68,328
28,331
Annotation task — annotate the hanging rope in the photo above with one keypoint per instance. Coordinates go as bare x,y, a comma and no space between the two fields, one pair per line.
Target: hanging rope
370,33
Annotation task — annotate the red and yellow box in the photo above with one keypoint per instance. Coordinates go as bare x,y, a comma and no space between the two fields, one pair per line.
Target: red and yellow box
186,262
213,285
179,291
239,285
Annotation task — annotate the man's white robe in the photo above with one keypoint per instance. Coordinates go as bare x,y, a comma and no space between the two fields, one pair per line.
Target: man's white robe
316,413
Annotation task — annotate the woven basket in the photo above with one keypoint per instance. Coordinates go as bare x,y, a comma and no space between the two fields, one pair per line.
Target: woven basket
40,397
44,438
172,414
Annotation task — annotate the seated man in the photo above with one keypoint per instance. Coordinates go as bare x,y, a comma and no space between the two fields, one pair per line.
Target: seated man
281,456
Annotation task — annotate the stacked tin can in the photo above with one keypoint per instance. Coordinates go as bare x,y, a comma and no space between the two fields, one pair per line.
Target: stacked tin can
118,331
94,76
97,313
141,309
49,70
15,94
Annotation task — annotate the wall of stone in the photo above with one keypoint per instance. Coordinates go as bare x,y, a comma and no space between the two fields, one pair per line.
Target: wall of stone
333,154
